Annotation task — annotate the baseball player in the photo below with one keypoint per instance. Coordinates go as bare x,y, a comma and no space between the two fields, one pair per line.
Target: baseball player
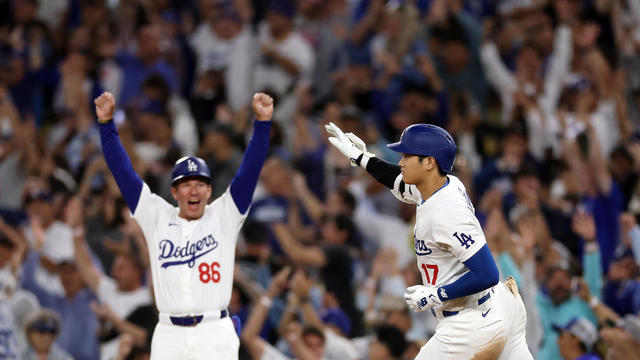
478,316
192,247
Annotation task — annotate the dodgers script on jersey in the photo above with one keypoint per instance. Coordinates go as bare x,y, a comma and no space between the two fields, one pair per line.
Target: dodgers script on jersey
191,261
445,235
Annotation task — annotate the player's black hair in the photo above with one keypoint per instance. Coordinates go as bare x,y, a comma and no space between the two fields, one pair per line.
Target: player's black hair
440,171
312,330
392,338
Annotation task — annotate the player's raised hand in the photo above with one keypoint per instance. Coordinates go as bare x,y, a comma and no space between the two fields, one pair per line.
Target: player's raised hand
262,106
420,298
105,106
343,143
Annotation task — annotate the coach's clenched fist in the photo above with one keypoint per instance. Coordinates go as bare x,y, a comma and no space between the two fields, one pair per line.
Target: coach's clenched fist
262,106
105,106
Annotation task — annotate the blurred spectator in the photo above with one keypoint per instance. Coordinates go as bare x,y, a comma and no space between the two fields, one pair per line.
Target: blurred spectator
305,343
559,304
48,235
183,124
8,337
42,329
621,291
548,153
576,340
223,44
389,343
79,329
333,258
125,291
222,155
285,56
146,61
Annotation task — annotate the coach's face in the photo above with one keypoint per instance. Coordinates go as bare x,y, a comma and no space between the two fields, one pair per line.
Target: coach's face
192,196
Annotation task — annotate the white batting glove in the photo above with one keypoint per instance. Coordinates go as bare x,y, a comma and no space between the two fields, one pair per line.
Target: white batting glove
349,144
420,298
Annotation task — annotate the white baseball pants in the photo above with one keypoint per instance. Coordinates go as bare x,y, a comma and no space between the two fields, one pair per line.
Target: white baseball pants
500,334
208,340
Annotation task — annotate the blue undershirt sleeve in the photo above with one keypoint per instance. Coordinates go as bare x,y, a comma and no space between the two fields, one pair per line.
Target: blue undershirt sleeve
245,180
483,274
118,161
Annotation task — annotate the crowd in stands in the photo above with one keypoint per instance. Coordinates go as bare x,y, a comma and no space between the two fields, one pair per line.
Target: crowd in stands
541,96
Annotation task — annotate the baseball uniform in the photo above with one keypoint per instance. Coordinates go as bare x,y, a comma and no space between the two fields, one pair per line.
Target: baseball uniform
191,261
478,317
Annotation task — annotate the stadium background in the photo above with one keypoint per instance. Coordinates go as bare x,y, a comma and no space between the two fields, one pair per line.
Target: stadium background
542,97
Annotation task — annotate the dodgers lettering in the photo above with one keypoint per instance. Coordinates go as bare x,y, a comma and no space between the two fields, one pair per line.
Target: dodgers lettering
420,246
186,254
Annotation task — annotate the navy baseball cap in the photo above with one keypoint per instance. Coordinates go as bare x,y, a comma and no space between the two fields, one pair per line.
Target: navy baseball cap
190,166
155,107
283,7
338,318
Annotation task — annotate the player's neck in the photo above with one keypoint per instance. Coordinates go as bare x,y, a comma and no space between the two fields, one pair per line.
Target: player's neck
430,184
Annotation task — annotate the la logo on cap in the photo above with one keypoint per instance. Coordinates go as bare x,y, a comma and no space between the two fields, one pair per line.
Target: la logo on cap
192,166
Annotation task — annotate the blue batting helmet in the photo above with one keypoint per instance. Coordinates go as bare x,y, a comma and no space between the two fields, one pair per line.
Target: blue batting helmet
428,140
190,166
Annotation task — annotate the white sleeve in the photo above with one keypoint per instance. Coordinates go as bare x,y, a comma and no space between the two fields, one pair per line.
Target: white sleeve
184,126
229,212
149,207
304,58
459,233
106,289
271,353
406,193
497,73
558,68
338,347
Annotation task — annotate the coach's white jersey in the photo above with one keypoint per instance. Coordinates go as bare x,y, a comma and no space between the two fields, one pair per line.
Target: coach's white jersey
446,234
191,261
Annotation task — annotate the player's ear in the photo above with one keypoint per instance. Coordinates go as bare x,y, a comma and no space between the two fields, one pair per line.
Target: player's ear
174,192
209,191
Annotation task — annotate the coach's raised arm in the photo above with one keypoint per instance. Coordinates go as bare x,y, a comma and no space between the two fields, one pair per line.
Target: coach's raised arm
116,157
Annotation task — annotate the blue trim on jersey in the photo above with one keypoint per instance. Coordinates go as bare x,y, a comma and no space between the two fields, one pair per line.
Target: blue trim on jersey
483,274
246,179
441,187
118,161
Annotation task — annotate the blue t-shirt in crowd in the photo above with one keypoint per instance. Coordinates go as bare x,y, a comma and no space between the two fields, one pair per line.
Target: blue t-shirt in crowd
605,210
135,72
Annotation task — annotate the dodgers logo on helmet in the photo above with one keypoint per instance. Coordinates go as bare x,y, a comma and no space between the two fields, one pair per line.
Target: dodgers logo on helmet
190,166
428,140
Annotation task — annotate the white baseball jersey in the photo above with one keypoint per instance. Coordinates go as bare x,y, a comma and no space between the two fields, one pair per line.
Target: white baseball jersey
446,233
191,261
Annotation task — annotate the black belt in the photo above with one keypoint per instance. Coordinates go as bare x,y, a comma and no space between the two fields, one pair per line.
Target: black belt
193,320
446,313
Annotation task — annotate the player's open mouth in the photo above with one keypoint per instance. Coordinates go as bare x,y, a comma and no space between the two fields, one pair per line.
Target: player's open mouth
193,203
